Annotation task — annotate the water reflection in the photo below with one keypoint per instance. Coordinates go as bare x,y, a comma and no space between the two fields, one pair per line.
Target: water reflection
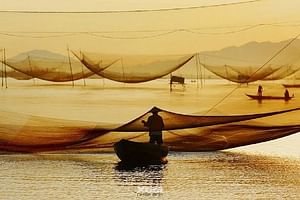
227,175
146,174
147,180
209,175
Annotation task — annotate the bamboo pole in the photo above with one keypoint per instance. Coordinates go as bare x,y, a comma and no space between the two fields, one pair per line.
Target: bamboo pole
70,64
197,69
203,78
123,71
29,62
5,74
84,83
2,67
201,73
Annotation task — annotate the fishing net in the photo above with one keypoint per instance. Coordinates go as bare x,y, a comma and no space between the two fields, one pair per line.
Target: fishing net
283,72
241,74
227,136
254,61
24,133
57,69
14,74
132,68
27,133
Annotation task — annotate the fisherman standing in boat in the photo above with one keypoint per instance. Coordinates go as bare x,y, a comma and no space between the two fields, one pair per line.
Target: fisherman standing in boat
155,124
260,91
286,94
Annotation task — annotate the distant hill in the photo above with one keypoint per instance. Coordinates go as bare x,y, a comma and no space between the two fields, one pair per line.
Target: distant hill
41,54
254,53
251,54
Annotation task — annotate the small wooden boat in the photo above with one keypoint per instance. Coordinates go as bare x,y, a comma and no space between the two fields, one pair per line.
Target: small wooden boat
270,97
136,153
291,85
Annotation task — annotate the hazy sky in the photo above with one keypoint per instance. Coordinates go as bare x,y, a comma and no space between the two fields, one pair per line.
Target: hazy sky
169,32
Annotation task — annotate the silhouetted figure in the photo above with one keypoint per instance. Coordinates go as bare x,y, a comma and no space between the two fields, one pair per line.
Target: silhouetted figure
155,124
260,91
286,94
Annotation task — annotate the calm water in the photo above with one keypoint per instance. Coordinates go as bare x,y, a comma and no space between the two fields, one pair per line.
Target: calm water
218,175
263,171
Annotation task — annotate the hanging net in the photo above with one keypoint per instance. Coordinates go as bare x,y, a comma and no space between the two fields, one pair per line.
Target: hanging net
241,74
283,72
24,133
15,74
56,69
226,136
132,68
268,61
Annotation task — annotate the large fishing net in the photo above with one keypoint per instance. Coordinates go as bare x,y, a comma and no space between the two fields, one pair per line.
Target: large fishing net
241,74
57,69
283,72
14,74
24,133
132,68
252,62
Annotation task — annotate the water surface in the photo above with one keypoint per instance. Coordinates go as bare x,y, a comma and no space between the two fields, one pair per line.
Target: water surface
215,175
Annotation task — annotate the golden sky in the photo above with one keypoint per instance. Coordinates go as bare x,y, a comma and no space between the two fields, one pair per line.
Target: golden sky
168,32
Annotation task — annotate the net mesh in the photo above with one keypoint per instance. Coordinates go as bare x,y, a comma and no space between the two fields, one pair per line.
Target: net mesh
241,74
132,68
50,69
254,61
283,72
24,133
228,136
15,74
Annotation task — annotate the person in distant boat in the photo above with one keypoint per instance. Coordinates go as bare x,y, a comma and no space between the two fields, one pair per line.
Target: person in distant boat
260,91
155,124
286,94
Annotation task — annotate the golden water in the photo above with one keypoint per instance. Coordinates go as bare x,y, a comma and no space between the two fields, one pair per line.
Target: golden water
269,170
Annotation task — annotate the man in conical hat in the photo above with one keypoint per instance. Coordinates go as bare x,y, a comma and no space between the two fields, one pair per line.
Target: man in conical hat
155,125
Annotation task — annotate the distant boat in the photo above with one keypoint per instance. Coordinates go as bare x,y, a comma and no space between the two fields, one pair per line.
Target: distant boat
291,85
136,153
270,97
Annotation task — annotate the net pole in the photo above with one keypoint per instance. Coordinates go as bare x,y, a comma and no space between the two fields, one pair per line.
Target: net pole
5,74
70,64
2,67
29,62
123,70
201,73
171,82
226,69
197,69
103,79
204,74
84,83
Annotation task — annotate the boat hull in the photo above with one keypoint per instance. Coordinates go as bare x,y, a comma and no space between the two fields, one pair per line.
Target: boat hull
291,85
140,153
269,97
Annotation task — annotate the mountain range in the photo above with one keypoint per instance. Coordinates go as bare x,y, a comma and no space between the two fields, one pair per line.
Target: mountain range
253,53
